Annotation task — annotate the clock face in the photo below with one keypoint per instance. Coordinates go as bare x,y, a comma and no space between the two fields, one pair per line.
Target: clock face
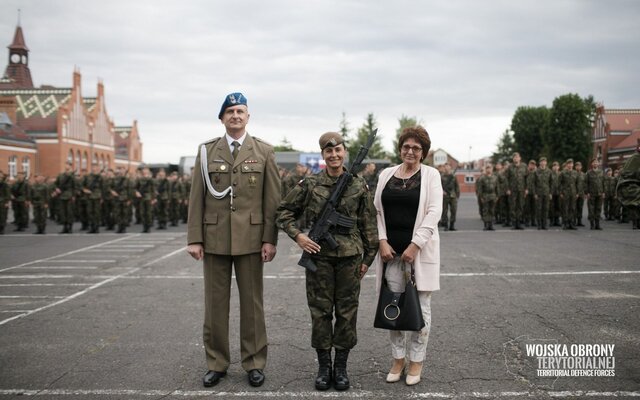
24,59
15,58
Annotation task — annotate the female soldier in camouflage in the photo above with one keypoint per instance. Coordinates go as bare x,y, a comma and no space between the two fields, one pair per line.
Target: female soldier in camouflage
333,290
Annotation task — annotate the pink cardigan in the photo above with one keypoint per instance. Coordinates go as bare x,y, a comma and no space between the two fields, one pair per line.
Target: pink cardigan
425,230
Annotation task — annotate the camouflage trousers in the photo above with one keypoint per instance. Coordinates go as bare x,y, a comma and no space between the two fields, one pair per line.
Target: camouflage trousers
3,216
579,207
146,212
569,209
65,211
594,205
555,211
174,211
121,213
94,212
449,209
334,290
40,215
162,211
488,208
502,209
542,204
20,214
530,209
83,212
516,205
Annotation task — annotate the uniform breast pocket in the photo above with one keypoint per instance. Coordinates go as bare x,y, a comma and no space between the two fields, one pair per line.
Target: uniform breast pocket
219,175
252,174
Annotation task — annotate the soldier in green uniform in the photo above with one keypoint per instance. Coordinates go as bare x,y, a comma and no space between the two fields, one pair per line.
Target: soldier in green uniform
568,194
93,190
82,209
335,287
186,185
580,188
542,191
488,194
530,206
609,195
450,196
121,192
136,200
40,200
628,188
176,194
516,190
21,195
162,204
594,186
291,180
66,193
108,200
5,201
53,200
146,193
555,209
502,188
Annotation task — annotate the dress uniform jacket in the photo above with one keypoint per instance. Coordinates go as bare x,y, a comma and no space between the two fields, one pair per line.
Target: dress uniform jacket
239,228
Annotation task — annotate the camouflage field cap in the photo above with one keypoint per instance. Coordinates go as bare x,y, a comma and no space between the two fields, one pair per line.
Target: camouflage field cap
330,139
569,160
532,162
578,163
542,159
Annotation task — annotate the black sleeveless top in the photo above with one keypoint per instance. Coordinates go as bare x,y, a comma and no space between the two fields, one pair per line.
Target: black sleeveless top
400,199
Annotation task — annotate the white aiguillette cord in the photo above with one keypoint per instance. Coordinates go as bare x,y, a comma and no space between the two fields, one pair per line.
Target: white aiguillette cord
207,180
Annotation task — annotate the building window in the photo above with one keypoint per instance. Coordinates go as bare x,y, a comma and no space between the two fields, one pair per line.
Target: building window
26,167
102,164
469,179
13,166
70,157
84,160
108,162
439,159
78,161
95,159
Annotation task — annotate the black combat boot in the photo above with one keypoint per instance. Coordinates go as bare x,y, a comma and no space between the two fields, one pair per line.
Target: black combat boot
598,228
69,228
491,227
592,224
340,378
323,380
146,229
579,222
486,226
452,227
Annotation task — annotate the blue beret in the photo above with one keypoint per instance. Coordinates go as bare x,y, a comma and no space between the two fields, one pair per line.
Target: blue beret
234,99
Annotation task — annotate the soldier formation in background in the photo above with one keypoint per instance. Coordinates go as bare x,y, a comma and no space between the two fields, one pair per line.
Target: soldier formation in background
99,199
450,196
536,196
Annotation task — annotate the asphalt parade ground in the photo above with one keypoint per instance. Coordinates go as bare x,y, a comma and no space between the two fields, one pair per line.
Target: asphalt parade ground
120,317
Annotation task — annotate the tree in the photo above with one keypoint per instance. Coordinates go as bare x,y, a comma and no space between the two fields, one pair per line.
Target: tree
284,145
529,125
506,147
569,132
345,131
376,150
405,122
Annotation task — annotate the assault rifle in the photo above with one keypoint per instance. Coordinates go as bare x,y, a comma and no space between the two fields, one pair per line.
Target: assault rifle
329,217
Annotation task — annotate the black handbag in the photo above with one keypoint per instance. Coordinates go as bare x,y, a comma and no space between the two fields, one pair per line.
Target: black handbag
399,311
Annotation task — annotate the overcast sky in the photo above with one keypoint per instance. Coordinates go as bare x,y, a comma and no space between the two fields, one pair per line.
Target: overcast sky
460,67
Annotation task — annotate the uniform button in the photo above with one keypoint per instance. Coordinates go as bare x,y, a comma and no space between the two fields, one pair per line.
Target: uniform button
235,183
235,170
235,195
233,208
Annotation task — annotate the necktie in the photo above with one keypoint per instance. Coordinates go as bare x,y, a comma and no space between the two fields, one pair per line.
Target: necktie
236,147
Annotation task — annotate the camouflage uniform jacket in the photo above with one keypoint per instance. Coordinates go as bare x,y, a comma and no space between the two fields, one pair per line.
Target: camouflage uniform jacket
40,193
122,186
175,190
628,187
162,187
450,187
555,183
95,184
581,183
543,182
609,186
567,182
312,193
595,183
186,185
530,181
502,183
516,177
488,187
5,192
147,188
66,183
21,191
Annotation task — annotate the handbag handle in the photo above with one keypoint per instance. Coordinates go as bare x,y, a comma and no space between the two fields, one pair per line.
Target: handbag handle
412,277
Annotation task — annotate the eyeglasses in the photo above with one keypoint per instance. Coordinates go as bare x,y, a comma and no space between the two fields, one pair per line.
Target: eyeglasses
415,149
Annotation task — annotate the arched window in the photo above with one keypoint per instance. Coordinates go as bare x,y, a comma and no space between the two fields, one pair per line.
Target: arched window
26,167
70,157
13,166
78,161
95,159
84,160
102,164
108,165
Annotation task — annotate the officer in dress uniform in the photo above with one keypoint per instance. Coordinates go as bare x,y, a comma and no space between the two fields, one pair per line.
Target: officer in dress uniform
235,192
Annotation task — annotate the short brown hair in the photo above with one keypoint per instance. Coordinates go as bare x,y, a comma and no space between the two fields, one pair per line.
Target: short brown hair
420,135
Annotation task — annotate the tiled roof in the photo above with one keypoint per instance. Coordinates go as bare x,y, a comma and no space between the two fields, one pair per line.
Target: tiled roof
629,142
38,103
18,40
89,103
622,120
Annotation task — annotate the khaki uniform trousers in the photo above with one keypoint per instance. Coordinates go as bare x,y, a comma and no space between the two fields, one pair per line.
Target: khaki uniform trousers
217,291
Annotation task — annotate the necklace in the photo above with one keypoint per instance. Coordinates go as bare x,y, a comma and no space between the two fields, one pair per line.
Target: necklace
404,181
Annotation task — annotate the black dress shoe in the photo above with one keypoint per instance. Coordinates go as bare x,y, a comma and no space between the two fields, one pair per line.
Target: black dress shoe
256,377
212,378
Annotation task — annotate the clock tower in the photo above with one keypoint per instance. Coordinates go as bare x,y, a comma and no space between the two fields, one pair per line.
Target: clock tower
17,75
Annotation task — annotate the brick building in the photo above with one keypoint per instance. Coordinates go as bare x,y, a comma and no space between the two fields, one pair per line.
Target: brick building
51,126
615,135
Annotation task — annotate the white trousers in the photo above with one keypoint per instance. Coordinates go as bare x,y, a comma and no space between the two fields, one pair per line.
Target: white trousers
417,341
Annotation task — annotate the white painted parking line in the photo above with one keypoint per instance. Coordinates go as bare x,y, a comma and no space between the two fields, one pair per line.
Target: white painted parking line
83,261
43,284
165,256
352,394
39,276
60,267
106,250
31,297
65,254
13,311
121,246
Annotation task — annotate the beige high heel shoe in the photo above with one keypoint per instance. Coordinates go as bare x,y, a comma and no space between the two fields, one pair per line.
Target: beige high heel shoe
413,376
395,377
